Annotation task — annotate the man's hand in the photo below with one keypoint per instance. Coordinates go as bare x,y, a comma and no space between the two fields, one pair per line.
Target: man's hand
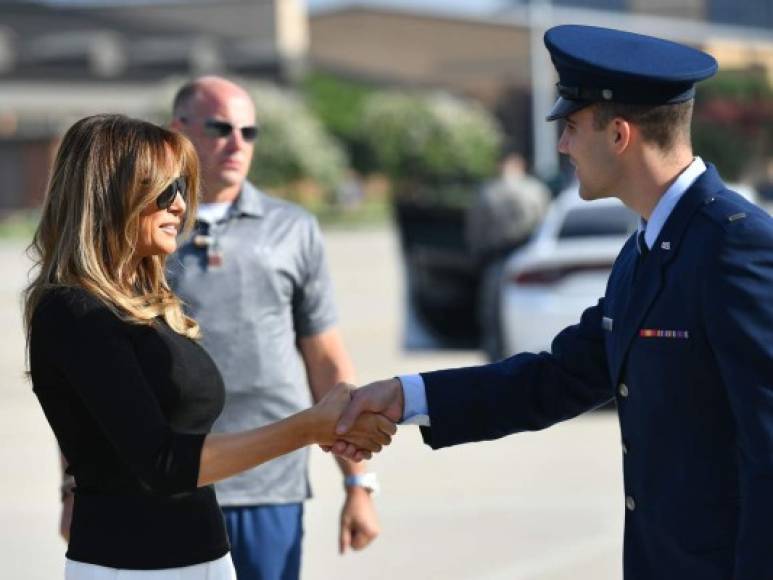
359,523
382,397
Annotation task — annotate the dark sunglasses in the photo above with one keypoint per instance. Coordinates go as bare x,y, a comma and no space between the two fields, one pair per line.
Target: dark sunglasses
221,129
166,198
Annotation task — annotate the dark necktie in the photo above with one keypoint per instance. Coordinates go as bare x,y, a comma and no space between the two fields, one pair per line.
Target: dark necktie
642,245
643,250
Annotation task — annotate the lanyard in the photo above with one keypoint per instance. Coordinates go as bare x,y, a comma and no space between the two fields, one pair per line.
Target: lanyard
208,236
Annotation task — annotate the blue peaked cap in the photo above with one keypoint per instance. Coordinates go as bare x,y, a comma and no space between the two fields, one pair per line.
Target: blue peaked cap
601,64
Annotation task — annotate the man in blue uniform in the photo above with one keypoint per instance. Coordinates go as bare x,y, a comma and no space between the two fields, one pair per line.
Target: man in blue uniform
683,338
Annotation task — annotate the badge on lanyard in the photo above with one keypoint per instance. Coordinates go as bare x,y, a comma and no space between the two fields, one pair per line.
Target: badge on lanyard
214,255
214,252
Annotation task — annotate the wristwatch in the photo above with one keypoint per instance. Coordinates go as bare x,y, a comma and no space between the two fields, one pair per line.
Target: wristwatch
368,481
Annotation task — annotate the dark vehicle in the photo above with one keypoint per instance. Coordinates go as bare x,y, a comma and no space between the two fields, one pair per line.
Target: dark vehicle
442,277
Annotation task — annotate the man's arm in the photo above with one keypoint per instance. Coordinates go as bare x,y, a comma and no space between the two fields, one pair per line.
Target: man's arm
738,314
328,363
526,392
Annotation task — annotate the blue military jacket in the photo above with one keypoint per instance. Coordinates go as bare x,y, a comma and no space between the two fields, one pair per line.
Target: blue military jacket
683,339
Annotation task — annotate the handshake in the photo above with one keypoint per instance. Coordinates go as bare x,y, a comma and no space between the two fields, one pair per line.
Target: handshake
355,423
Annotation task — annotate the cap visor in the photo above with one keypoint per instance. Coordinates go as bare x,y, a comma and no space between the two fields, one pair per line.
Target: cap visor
565,107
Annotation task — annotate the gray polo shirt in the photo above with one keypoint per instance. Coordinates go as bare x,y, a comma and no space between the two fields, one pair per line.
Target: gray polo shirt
256,281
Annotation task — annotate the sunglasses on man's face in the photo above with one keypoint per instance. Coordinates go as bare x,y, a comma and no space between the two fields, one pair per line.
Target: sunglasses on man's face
222,129
166,198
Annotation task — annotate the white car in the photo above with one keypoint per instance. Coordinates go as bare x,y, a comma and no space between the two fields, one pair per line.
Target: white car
548,283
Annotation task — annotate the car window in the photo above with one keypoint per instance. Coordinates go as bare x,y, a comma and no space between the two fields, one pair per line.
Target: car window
614,220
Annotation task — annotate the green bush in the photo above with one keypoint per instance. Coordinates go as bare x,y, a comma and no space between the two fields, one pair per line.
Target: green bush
723,145
339,104
430,138
432,145
293,145
733,125
739,85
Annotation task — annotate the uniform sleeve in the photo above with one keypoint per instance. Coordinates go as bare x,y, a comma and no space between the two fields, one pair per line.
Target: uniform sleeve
526,392
92,350
739,322
313,302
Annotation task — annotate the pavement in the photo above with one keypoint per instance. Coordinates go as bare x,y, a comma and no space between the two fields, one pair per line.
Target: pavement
535,506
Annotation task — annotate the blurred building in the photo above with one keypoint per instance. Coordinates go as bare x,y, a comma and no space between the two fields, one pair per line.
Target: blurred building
489,49
61,60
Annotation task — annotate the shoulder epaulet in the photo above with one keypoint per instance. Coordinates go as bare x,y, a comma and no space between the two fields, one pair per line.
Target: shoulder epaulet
723,210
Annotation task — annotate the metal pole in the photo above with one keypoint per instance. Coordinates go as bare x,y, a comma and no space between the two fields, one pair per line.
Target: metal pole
542,91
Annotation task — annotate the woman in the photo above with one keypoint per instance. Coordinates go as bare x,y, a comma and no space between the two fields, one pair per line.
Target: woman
129,393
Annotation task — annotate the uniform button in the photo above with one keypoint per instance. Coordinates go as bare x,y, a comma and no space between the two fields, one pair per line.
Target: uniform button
630,504
625,447
623,390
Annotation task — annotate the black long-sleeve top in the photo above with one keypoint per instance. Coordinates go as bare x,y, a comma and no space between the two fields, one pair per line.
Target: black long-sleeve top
130,406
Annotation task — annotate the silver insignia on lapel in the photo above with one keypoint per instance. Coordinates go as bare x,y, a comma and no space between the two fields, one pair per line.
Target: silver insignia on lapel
736,216
665,245
607,323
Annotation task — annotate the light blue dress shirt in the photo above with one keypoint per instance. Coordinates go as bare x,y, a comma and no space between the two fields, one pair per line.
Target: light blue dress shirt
668,201
414,392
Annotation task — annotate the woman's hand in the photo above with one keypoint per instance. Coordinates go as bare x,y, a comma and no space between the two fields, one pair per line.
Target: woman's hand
369,433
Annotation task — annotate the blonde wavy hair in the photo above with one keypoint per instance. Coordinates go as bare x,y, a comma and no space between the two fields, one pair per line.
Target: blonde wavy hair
107,170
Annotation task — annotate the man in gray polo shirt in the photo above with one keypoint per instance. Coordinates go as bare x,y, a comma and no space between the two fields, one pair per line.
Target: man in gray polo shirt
253,274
